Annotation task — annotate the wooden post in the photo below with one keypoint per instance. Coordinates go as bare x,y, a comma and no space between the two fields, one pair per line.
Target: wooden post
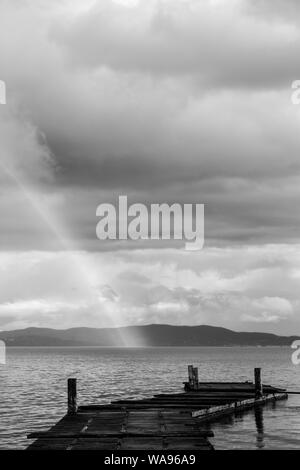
257,382
72,396
196,378
191,376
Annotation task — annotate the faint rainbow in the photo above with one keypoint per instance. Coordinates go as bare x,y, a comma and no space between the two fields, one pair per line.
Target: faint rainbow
86,270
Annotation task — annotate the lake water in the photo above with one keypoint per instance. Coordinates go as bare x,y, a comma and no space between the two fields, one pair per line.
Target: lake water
33,387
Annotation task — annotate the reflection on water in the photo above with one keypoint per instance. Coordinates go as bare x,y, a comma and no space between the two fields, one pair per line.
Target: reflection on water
272,426
33,388
259,422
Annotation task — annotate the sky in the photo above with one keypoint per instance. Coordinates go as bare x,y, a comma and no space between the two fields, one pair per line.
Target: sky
169,101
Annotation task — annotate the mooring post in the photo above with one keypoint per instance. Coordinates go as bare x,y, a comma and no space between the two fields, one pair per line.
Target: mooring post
196,378
257,382
72,396
191,376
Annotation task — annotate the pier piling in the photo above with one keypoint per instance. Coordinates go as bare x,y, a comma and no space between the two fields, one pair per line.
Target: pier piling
72,396
191,376
196,377
258,383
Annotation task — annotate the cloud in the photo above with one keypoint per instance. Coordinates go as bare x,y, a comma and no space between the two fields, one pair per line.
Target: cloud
234,287
218,45
269,309
168,107
24,153
165,101
284,11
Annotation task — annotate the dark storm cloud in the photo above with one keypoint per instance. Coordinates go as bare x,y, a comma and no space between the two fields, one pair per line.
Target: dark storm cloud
167,102
217,45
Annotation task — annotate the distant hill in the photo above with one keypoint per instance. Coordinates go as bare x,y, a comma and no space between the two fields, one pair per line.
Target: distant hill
144,335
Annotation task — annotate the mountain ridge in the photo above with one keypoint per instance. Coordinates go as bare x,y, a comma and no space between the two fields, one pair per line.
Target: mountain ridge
150,335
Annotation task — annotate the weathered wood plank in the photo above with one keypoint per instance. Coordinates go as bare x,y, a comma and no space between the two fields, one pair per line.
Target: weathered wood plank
231,407
98,435
231,386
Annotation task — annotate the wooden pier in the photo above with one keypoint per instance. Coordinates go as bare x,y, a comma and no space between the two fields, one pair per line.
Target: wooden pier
170,421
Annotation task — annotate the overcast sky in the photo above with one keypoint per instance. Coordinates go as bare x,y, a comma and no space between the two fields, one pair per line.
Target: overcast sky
165,101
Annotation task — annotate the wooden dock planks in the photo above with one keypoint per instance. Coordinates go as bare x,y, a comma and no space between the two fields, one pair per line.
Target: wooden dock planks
134,429
177,421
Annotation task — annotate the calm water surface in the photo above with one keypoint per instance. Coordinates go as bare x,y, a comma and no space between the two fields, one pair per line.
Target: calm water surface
33,387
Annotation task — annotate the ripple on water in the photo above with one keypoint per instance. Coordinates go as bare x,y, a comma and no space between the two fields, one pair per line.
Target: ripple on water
33,387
